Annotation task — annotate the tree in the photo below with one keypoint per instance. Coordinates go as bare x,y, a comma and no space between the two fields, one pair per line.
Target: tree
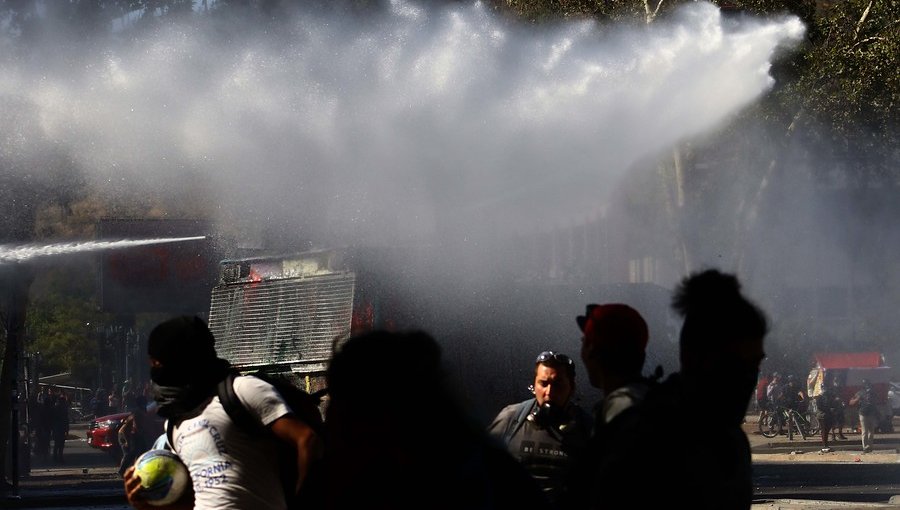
63,308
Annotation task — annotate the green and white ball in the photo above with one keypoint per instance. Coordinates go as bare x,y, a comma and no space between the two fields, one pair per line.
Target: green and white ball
164,477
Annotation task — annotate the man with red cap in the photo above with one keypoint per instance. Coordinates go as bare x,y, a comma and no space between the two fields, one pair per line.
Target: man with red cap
613,351
613,343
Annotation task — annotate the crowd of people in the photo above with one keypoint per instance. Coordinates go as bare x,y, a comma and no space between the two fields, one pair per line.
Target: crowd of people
781,396
50,424
395,434
50,416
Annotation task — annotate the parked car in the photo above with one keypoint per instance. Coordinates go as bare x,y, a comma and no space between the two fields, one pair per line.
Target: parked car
103,433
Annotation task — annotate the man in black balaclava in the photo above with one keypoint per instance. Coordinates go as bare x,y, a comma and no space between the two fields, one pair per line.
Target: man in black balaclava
184,367
232,467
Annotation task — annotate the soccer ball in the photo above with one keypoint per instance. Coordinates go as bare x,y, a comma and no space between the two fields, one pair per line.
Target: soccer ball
163,477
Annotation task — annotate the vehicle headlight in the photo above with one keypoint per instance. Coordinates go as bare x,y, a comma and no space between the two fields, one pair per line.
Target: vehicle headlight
107,424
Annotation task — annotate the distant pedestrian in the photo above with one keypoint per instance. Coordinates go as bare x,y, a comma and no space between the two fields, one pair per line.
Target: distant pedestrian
137,432
762,401
793,397
547,432
113,402
59,425
829,407
100,403
43,418
840,412
864,401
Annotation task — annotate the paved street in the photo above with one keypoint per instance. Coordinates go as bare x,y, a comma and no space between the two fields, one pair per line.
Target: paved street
88,478
782,449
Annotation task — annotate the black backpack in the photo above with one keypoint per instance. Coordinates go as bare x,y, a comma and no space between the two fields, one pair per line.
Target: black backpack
306,407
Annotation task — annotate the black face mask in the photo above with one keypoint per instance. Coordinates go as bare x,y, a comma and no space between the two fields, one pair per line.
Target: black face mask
168,376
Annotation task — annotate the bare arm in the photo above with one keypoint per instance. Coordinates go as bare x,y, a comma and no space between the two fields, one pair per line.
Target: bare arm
303,439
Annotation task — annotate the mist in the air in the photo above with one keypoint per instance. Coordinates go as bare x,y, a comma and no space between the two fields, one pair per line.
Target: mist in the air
452,128
414,123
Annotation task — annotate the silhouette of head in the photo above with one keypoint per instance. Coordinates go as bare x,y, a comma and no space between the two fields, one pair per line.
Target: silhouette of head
396,432
179,350
721,339
613,343
412,361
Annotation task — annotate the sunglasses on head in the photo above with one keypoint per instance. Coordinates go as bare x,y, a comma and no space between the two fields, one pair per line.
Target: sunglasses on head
554,356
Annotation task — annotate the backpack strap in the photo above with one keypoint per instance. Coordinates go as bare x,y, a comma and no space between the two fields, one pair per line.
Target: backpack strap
170,434
518,420
235,408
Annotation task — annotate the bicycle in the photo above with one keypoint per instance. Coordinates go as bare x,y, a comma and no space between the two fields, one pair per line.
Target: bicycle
807,425
774,422
771,421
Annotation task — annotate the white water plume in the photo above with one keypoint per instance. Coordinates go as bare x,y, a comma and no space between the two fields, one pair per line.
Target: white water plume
411,124
23,253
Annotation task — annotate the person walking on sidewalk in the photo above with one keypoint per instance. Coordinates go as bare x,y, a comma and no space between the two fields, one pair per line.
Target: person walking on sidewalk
828,409
864,401
59,425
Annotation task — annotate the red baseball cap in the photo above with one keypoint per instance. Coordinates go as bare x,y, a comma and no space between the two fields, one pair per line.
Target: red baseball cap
614,324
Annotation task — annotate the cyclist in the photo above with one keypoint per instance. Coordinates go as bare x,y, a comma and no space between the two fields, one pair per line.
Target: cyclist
793,396
775,395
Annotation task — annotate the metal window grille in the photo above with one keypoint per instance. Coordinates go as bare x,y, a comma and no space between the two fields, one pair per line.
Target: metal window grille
293,321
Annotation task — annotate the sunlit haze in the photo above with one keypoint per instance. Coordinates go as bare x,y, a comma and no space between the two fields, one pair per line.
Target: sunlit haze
417,123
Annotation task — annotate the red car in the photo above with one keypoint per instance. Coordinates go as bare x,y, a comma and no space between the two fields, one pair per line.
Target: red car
103,433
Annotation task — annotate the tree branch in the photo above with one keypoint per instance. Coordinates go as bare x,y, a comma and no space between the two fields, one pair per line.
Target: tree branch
651,15
862,19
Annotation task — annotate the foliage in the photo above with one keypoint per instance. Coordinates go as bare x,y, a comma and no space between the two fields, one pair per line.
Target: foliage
61,321
851,87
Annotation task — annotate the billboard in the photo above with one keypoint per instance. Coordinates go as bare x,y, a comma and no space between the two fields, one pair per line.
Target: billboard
169,277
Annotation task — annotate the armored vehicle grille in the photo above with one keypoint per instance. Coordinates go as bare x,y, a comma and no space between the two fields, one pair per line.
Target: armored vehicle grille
293,321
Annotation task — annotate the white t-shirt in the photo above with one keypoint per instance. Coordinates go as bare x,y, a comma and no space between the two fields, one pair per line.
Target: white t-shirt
230,468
